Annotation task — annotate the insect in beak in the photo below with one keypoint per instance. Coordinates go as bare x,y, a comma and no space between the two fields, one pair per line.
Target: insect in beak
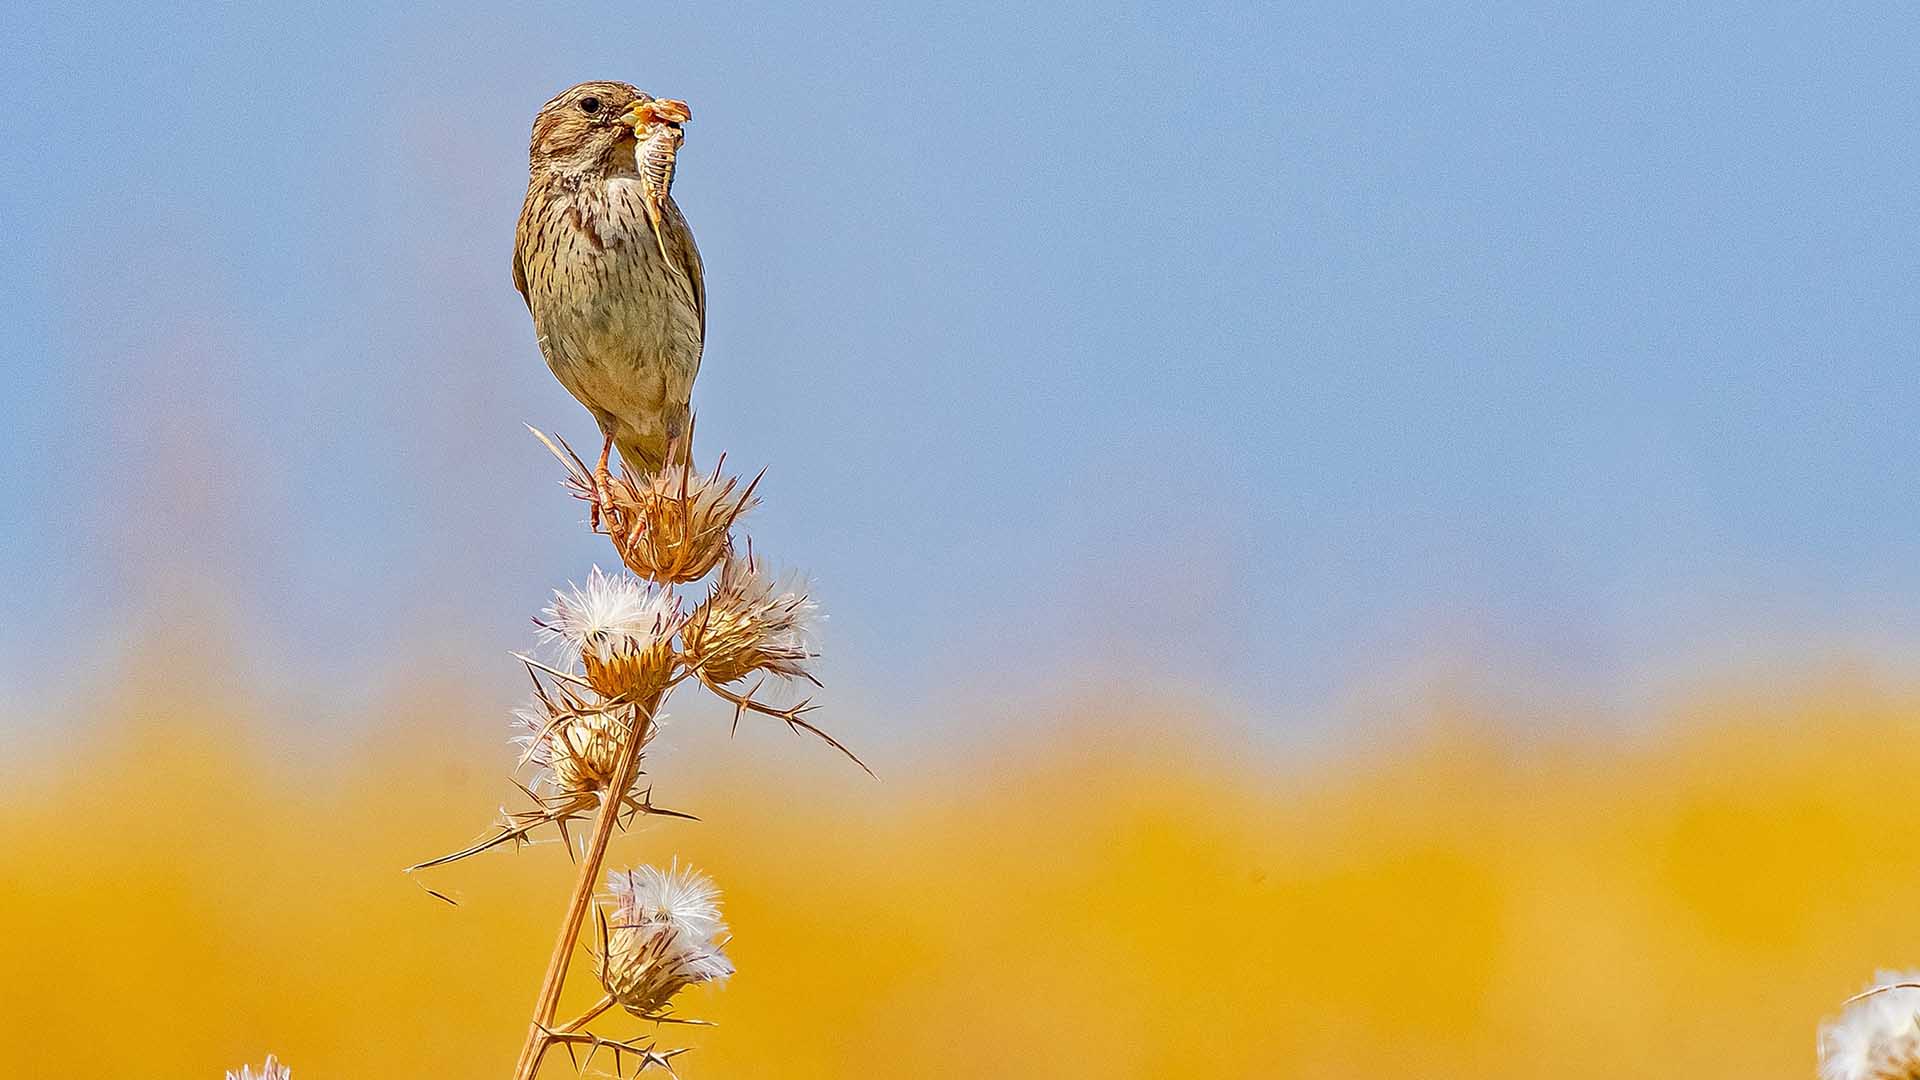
644,114
656,124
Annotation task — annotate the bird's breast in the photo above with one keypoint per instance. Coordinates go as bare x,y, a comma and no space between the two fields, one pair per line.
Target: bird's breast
617,324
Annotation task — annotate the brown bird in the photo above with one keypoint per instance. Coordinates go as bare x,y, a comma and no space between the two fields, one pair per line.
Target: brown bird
608,269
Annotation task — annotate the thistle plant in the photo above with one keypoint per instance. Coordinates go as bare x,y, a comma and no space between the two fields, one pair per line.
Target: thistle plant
619,644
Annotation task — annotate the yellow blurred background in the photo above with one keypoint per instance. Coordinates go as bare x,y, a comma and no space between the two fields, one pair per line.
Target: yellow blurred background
1129,894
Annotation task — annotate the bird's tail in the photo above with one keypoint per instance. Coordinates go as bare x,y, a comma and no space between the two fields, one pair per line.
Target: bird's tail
645,455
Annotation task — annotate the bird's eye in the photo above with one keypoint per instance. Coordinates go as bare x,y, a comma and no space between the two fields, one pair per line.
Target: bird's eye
589,104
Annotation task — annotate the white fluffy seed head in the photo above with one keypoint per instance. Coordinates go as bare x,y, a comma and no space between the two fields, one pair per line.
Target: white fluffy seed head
664,935
1876,1037
611,615
684,897
272,1070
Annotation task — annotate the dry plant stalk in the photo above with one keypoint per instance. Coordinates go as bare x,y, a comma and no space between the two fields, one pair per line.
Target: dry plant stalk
625,644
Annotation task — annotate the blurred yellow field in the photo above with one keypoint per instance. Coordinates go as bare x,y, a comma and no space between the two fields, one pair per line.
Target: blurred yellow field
1122,903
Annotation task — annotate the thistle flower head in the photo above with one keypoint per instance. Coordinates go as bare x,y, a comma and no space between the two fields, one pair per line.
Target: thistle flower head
686,898
665,934
272,1070
676,524
574,745
622,631
1876,1037
749,623
610,614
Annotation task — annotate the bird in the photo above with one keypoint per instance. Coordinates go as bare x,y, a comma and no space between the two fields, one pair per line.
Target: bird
608,268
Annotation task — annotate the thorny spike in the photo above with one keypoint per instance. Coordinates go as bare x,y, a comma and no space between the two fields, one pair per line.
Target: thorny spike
575,466
682,1021
645,805
790,716
436,894
556,673
648,1054
515,833
561,815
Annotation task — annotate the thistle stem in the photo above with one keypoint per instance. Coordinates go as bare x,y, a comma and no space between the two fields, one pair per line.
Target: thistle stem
584,881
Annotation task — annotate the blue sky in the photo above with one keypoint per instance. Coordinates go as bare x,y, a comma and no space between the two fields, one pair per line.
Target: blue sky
1264,348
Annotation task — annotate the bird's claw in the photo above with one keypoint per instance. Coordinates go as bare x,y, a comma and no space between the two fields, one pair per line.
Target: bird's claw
602,486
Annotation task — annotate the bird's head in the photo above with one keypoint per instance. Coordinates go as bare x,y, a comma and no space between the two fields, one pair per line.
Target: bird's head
587,131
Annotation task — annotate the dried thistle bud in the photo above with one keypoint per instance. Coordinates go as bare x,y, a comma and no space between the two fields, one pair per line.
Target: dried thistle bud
1877,1037
664,935
747,623
621,629
677,524
575,745
272,1070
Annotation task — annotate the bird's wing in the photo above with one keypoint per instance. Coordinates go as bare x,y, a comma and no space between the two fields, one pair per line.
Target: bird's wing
520,230
681,247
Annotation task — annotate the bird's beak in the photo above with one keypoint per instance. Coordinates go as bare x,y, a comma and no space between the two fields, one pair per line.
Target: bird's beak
644,114
636,116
